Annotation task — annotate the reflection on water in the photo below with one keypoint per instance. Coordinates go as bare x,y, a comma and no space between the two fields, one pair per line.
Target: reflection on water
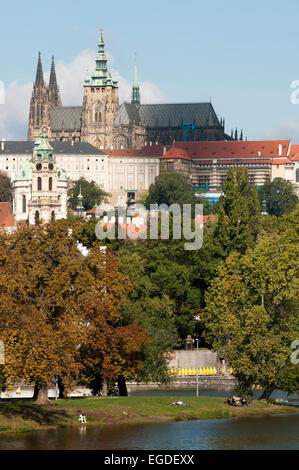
267,432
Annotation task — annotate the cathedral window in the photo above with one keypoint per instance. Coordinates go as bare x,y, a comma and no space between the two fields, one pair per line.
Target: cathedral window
39,183
24,203
50,184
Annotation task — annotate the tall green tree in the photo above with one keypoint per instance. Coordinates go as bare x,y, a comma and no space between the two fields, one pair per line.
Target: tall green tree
5,188
279,195
251,314
171,188
92,194
239,214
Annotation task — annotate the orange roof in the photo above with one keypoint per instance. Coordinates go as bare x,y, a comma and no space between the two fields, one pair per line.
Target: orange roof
177,153
280,161
294,153
148,151
95,210
204,219
235,149
130,228
7,218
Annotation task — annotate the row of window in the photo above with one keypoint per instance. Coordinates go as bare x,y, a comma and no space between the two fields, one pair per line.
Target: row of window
40,185
131,169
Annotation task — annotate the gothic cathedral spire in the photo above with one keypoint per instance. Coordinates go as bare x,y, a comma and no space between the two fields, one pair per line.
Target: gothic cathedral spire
43,98
54,95
53,80
39,80
135,90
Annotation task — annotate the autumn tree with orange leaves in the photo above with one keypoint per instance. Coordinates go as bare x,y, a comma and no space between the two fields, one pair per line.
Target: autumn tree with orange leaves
59,310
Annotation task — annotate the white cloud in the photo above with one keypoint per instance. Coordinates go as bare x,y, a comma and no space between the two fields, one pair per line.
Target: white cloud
15,112
70,77
283,130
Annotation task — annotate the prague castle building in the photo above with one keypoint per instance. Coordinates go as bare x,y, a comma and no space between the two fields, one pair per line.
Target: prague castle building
103,123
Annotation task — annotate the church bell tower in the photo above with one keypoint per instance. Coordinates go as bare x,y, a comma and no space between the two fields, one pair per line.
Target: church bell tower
100,103
46,202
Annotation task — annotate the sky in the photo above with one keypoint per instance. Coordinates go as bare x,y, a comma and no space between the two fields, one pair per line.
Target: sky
243,56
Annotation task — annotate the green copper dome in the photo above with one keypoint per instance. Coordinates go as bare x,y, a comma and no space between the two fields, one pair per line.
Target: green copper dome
25,174
43,150
101,76
61,175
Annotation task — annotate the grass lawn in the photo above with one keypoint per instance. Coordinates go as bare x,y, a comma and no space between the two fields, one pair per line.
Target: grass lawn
20,416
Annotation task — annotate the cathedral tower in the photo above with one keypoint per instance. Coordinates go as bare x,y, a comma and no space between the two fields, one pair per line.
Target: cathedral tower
100,103
42,99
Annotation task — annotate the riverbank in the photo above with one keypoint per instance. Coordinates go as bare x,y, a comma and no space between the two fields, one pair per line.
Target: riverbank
25,416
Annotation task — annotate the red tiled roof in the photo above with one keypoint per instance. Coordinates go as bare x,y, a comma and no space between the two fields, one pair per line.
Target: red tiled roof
235,149
7,218
177,153
205,218
148,151
280,161
294,153
95,210
130,228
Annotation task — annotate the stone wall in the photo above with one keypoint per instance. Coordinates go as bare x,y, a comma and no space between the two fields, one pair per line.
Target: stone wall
196,359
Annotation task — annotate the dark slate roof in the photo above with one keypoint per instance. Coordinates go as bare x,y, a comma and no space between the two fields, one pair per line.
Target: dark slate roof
25,147
173,115
66,117
127,114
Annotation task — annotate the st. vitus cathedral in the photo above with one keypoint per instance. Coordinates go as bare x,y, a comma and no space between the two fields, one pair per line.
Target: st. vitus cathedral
102,122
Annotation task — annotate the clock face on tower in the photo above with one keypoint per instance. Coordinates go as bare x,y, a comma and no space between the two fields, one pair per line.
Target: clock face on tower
51,166
39,167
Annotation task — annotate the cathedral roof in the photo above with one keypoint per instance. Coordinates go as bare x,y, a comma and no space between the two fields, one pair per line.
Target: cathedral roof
127,114
65,117
175,114
167,115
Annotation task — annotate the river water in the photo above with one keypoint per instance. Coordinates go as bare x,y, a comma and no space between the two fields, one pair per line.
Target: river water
267,432
262,432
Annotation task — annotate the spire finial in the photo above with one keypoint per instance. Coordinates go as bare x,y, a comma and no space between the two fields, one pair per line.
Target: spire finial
101,42
135,90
